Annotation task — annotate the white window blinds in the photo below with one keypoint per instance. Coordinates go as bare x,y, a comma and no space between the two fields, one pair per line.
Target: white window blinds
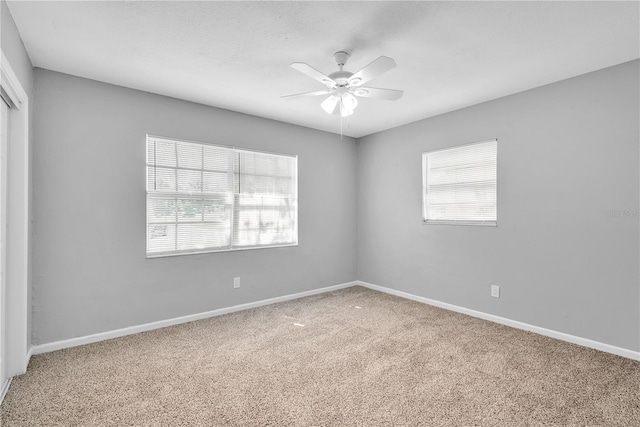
460,185
265,188
203,198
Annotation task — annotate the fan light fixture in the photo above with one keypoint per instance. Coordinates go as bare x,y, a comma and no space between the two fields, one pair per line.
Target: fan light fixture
342,102
344,86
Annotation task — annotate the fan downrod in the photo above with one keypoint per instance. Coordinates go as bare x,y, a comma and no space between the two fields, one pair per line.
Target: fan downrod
341,77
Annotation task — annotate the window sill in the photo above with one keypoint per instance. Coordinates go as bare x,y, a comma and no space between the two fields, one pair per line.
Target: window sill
207,251
476,223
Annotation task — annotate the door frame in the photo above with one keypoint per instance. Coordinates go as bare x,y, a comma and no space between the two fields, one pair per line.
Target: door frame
17,240
4,136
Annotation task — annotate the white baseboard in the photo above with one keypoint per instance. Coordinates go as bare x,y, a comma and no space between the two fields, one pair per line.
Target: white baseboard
29,354
630,354
4,387
88,339
73,342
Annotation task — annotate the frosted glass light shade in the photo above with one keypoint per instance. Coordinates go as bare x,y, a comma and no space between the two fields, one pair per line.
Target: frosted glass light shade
348,104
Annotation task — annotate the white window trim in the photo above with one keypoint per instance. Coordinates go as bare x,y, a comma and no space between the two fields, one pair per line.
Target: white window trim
231,248
425,221
461,222
212,251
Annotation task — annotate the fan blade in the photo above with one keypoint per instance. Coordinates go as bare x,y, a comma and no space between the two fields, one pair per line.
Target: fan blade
313,73
374,92
330,105
377,67
301,95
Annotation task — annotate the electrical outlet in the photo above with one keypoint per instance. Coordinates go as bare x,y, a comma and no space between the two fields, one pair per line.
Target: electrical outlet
236,282
495,291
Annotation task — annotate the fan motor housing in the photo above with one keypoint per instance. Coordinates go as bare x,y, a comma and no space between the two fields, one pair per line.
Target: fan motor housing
341,77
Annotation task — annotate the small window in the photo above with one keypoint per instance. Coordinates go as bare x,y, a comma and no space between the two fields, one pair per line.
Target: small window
205,198
460,185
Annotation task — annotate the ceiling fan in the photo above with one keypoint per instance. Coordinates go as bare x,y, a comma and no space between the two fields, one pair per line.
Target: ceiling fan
343,87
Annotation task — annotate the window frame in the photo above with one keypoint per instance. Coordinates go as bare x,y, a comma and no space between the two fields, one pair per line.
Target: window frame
480,223
233,196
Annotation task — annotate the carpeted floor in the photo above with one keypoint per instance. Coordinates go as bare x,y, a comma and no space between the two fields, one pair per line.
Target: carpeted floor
353,357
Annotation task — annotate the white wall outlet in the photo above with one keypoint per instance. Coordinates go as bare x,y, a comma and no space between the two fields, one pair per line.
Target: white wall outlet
495,291
236,282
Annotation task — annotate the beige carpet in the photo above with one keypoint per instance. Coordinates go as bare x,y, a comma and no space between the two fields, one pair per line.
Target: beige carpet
354,357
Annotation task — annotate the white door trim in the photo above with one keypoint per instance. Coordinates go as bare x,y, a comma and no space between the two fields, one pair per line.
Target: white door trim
4,381
11,84
17,231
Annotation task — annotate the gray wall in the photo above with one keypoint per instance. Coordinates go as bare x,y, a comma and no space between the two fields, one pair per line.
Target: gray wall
567,154
90,272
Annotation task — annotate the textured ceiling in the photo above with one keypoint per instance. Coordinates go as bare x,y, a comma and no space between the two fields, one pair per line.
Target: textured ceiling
236,55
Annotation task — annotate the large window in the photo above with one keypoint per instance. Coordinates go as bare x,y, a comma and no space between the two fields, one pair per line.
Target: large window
204,198
460,185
